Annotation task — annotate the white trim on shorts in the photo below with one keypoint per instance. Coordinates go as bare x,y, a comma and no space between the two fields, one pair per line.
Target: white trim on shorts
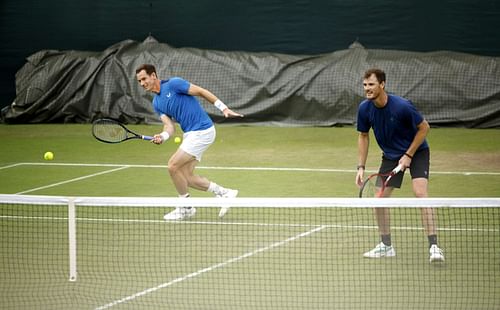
197,142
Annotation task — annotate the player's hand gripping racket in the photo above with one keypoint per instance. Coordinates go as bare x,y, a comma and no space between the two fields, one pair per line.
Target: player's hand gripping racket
369,189
111,131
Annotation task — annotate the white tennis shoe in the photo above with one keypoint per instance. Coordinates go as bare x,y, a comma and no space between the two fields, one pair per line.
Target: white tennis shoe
230,193
180,213
435,254
381,250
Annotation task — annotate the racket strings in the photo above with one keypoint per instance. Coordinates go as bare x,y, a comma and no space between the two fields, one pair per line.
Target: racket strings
109,131
369,188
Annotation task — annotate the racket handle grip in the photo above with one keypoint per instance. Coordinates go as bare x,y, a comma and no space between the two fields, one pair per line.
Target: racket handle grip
147,138
397,169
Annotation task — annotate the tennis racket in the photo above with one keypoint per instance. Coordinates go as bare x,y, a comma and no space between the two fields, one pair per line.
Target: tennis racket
111,131
369,189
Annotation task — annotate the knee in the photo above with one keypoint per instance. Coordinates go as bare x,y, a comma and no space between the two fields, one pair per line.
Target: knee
420,188
173,168
420,193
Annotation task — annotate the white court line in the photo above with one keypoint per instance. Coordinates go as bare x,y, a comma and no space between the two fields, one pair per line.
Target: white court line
244,168
71,180
211,268
338,226
12,166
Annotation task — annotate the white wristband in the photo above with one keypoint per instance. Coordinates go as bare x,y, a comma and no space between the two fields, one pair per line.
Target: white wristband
220,105
164,136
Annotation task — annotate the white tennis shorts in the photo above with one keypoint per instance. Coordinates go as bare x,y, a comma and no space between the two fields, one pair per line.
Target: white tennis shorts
197,142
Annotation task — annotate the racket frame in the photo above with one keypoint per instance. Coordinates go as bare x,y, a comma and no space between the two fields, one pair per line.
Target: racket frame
388,176
133,135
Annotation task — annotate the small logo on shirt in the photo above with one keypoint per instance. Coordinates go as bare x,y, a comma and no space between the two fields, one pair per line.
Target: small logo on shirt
168,95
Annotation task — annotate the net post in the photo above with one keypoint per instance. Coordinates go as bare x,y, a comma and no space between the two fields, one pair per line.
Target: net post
72,239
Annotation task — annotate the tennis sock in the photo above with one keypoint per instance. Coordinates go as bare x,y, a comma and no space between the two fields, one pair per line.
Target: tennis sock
433,239
216,189
185,196
386,239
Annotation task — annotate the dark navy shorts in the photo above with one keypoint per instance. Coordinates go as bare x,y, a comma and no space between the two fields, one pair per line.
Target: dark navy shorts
419,167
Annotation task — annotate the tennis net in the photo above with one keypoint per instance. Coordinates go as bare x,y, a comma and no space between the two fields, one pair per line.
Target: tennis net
266,253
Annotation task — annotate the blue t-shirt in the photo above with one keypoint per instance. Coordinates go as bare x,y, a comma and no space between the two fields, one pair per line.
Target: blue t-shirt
175,102
394,125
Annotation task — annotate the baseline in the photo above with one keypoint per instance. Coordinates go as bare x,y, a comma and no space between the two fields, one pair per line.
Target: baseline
467,173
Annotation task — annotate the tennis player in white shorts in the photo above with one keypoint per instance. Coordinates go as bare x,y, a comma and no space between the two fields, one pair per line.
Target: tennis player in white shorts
175,101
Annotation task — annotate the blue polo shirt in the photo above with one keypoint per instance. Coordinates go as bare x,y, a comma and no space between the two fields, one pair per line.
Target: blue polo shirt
174,101
394,125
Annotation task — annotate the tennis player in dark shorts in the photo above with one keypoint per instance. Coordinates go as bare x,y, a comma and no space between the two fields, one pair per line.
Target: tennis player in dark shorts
400,131
419,168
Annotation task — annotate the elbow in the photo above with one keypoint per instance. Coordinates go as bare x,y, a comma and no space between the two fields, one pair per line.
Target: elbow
427,127
424,127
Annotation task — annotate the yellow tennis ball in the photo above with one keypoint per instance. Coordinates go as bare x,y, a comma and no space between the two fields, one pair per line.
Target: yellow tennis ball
48,156
177,140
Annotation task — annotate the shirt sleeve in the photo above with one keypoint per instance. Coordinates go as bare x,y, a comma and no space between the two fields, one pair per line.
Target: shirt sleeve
363,124
179,85
411,115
